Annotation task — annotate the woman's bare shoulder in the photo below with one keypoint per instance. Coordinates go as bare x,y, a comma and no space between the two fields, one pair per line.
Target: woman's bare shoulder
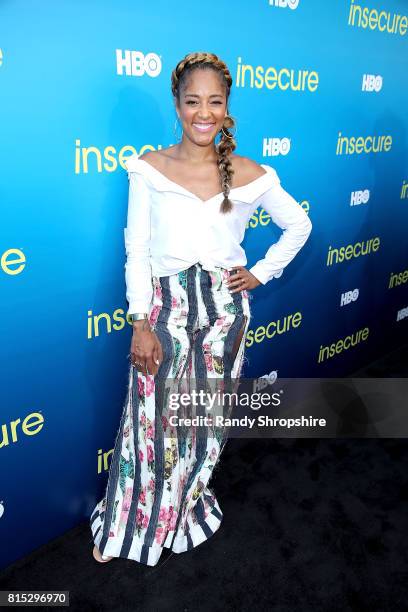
158,158
246,169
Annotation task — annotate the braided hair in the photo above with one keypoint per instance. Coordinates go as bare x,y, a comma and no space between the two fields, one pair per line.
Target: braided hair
227,144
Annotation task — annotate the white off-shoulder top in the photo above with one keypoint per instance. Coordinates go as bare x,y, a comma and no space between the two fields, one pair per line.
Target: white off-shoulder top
169,229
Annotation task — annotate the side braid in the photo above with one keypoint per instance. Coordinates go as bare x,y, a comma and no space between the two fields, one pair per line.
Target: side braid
227,144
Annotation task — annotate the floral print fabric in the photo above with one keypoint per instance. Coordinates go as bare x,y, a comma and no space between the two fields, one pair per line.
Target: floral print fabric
158,492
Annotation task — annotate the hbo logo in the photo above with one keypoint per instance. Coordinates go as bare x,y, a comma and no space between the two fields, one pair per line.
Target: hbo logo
292,4
371,82
276,146
402,314
265,380
349,296
135,63
359,197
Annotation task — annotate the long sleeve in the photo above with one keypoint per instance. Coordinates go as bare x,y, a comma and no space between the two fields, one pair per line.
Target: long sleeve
289,216
138,273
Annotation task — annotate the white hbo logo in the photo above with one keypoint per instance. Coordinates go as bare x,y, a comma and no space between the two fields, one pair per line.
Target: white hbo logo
136,63
349,296
292,4
263,381
371,82
402,314
359,197
275,146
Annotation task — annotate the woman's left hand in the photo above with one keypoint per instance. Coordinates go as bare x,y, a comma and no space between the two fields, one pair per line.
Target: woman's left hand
241,279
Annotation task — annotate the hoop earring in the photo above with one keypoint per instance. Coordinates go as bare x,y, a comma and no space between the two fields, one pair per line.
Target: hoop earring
175,129
228,116
228,135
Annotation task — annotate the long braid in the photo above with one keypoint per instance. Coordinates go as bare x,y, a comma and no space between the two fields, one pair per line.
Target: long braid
227,142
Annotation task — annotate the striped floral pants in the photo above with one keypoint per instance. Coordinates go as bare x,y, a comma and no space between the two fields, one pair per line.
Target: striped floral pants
157,492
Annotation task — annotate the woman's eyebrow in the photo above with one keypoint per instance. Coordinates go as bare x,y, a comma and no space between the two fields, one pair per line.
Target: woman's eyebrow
197,96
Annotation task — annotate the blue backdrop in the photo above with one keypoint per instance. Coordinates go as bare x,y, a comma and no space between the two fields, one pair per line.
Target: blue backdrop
320,93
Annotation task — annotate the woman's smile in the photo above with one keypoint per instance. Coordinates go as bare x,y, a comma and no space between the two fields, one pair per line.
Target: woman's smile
203,127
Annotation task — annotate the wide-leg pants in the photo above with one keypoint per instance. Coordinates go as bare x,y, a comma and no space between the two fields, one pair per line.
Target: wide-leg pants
157,492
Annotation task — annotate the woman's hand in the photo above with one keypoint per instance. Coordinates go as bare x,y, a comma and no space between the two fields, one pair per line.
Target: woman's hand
146,350
241,279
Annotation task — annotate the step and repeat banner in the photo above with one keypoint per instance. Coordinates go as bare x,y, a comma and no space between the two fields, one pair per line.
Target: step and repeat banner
320,93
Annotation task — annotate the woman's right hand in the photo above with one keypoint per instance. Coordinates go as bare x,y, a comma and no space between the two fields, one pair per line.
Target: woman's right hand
146,351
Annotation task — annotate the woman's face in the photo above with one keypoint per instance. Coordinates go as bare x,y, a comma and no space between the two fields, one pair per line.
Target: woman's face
203,106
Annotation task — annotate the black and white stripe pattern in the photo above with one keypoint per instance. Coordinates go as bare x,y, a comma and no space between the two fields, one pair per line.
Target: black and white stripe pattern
198,513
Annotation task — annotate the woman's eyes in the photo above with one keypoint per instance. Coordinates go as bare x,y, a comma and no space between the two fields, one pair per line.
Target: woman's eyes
195,102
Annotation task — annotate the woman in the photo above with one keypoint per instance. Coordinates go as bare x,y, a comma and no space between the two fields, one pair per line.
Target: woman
187,289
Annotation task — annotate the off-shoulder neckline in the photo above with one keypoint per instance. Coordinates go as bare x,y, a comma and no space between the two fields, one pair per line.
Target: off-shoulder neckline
269,172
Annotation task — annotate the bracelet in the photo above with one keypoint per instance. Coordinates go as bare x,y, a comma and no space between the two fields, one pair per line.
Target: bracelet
138,316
